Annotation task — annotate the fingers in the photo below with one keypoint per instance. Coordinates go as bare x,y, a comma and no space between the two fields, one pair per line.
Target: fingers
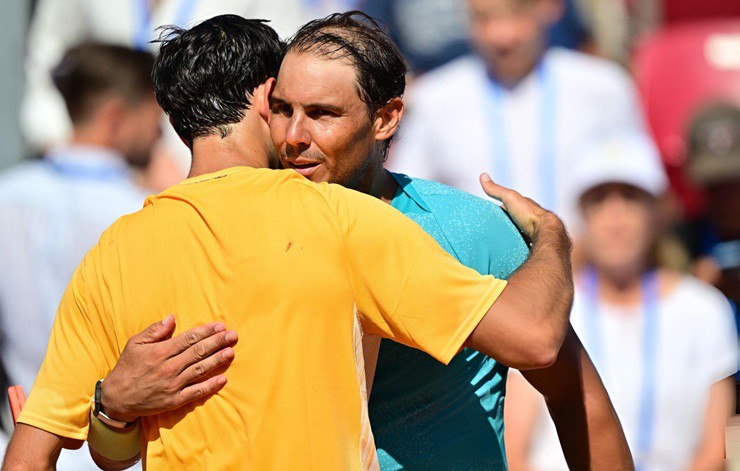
200,390
205,368
206,348
156,332
191,337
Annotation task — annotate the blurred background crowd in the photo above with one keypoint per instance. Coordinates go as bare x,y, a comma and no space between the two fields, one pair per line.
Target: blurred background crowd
622,116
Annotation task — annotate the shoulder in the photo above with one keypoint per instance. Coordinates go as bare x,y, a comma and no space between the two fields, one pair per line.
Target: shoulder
474,226
458,206
700,304
594,72
24,178
688,289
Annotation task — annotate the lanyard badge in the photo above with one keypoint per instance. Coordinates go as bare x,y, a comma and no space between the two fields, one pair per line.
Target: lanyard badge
650,293
503,155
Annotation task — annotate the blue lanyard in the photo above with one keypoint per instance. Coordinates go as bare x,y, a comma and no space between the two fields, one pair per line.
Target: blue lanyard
650,299
144,28
502,155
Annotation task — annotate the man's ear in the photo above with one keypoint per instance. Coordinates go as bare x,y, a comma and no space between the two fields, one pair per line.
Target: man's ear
110,117
112,112
388,118
263,94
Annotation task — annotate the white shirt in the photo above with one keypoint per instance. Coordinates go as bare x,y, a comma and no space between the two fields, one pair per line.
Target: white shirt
696,347
60,24
447,134
51,213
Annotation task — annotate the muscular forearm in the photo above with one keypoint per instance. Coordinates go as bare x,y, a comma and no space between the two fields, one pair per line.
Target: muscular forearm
544,284
588,427
526,325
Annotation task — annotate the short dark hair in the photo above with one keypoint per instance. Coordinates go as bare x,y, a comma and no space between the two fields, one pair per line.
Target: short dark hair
381,68
204,76
91,70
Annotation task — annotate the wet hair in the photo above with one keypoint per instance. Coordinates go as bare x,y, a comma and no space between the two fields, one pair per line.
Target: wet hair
204,77
91,71
357,37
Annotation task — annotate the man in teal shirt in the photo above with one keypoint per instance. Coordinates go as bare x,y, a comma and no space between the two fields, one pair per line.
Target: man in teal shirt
426,415
334,110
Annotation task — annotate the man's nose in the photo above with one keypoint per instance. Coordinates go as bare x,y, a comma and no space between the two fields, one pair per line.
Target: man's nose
297,135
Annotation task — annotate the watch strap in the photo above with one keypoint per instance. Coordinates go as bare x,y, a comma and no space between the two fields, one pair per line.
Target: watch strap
100,413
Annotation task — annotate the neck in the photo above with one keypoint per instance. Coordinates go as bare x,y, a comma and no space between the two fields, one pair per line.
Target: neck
379,183
246,145
622,286
512,79
90,136
213,154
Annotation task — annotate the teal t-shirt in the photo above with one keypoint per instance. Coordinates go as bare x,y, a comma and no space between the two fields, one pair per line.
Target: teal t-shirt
427,416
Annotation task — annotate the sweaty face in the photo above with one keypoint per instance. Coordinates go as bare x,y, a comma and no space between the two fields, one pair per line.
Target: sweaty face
510,34
619,226
320,126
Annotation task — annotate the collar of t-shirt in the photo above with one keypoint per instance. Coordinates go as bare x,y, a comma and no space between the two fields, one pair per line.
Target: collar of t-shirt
407,199
88,162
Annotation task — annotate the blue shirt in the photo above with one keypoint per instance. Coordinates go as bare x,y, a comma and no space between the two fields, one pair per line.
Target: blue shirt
426,415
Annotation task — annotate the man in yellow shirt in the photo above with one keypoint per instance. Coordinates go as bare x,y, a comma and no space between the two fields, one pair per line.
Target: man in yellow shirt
296,268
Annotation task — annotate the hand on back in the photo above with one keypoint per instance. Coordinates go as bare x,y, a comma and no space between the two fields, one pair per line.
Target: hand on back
156,373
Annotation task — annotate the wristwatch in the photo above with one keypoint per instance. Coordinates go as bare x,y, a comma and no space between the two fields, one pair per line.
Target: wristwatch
101,415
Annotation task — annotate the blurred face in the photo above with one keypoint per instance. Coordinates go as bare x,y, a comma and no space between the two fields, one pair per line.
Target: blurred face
139,131
510,35
619,226
319,124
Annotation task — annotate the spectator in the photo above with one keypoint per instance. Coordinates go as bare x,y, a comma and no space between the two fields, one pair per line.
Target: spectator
432,33
664,343
53,211
516,109
715,165
60,24
429,34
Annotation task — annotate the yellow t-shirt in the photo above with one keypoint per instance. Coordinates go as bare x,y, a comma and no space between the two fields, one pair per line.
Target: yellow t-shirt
283,262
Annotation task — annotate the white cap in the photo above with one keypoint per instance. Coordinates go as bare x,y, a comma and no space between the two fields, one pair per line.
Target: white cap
623,157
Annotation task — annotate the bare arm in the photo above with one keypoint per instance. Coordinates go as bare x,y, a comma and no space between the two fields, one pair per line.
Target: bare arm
526,325
31,448
588,427
720,406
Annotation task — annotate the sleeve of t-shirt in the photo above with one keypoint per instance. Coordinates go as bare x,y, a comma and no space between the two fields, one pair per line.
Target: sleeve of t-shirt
406,286
78,355
720,355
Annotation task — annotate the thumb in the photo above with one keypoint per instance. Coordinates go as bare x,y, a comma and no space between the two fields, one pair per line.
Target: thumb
492,189
157,331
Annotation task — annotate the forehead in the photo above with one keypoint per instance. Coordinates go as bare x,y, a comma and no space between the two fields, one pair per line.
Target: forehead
308,76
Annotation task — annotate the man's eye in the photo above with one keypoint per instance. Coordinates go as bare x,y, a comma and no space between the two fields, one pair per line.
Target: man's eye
318,113
281,108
